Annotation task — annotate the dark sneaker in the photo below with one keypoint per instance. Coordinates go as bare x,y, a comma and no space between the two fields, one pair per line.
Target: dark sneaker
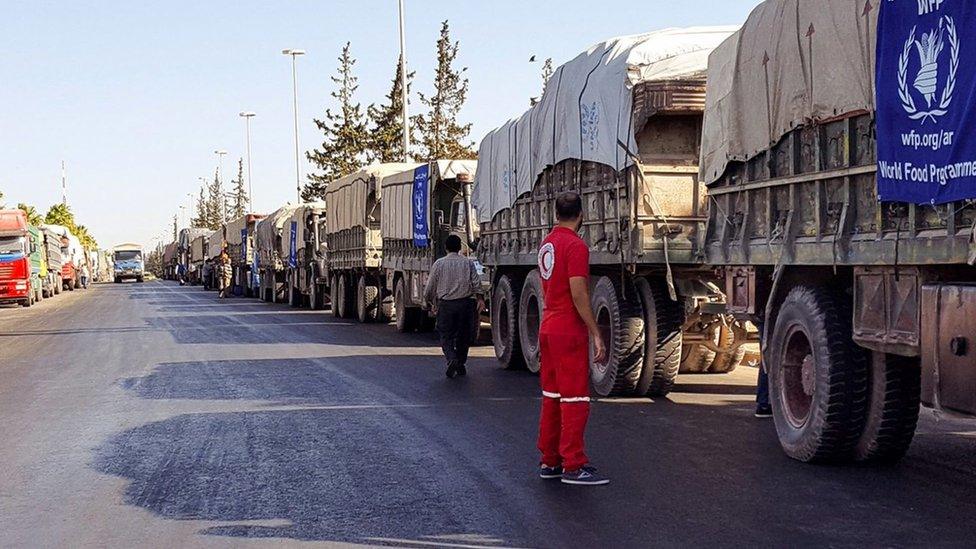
452,370
764,412
584,476
547,472
461,370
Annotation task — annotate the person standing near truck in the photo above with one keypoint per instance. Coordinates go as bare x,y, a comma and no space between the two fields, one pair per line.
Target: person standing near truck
567,326
452,290
226,274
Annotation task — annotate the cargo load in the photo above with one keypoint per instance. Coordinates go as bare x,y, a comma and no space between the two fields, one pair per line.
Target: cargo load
621,125
305,252
271,246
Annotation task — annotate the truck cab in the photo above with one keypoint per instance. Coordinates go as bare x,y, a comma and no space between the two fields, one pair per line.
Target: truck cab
129,262
20,260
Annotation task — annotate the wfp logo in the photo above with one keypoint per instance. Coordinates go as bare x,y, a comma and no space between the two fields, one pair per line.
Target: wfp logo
929,47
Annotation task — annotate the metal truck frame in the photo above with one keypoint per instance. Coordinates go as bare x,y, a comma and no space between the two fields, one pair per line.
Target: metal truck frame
307,273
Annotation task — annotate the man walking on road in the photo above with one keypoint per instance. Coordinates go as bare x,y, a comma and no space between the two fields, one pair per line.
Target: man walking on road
452,289
568,325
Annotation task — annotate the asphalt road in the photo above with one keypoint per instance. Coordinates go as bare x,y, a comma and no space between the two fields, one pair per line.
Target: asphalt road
158,416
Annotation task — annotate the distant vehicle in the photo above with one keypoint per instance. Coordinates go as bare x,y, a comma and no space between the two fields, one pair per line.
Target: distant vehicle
129,263
20,260
72,257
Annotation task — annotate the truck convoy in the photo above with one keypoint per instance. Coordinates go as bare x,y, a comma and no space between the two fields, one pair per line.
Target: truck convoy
730,179
129,262
422,207
184,252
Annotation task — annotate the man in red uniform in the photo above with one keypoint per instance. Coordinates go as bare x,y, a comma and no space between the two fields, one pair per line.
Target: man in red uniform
568,325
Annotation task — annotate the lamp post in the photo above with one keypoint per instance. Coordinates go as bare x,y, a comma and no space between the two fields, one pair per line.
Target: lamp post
403,86
294,84
247,116
189,197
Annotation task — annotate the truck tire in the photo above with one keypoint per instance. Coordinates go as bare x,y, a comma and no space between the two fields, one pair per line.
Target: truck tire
893,407
71,286
504,323
294,295
406,317
343,306
367,299
663,320
621,320
531,305
316,297
818,377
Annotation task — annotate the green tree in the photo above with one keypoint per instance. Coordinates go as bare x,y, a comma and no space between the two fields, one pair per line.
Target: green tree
441,135
202,218
61,214
343,149
33,217
215,203
239,207
386,120
87,240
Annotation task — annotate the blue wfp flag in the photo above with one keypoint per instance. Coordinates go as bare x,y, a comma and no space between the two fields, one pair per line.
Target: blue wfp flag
925,85
421,188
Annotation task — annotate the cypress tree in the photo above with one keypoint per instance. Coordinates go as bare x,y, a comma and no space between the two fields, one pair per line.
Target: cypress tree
441,135
240,193
343,149
386,132
202,218
215,203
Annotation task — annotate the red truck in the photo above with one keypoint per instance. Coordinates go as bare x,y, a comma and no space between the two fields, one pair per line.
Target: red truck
20,260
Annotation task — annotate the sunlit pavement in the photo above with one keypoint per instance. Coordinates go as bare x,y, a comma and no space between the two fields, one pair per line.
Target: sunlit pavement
158,415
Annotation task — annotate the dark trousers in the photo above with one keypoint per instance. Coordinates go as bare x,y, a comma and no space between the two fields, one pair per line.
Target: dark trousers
455,319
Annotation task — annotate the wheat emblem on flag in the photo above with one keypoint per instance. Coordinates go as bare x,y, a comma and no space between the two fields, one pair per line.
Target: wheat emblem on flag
929,47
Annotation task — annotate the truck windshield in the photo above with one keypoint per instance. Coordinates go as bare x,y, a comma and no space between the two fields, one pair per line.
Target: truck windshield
128,256
12,244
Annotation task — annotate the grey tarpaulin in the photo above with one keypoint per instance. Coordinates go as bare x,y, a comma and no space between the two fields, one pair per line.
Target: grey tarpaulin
585,110
815,60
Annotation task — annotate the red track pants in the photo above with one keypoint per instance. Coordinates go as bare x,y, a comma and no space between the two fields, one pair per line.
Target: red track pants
565,377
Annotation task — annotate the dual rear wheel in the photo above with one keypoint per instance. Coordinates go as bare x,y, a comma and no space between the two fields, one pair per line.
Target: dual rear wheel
834,401
640,325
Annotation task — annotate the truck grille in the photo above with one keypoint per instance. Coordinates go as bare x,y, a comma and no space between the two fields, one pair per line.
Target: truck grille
6,271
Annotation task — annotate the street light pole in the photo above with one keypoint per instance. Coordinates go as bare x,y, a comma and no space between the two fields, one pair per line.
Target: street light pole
192,214
403,86
247,115
294,84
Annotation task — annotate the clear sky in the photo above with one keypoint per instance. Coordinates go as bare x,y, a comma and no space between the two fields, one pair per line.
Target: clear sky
136,96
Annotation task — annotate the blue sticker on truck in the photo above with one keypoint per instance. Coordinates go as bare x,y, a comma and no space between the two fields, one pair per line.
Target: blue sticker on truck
926,105
244,246
293,246
421,188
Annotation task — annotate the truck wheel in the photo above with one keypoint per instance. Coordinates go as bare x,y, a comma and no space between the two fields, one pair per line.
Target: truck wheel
893,406
406,317
294,296
345,295
316,298
367,299
530,320
663,320
504,323
818,377
71,286
621,321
